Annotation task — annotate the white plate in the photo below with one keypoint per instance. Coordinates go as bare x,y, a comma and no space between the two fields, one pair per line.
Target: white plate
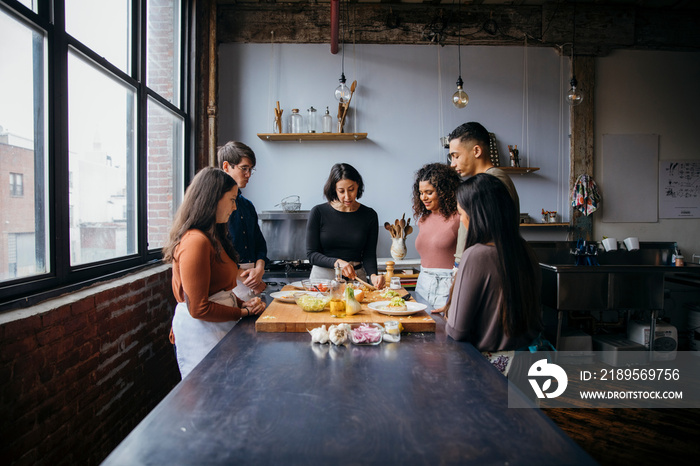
285,296
411,308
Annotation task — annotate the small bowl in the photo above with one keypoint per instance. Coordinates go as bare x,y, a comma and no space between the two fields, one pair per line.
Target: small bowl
358,341
312,302
320,284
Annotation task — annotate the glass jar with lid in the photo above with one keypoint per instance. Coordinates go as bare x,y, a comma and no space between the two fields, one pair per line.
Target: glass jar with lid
311,120
296,121
327,122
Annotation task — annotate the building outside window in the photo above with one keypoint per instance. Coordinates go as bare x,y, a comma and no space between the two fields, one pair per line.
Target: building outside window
99,197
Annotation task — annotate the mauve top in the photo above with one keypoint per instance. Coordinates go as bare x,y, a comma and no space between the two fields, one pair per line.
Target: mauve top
436,240
476,300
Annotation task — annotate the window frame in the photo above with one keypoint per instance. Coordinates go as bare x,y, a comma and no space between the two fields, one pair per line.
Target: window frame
62,277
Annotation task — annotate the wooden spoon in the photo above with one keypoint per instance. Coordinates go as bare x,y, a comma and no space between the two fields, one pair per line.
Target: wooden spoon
387,225
371,287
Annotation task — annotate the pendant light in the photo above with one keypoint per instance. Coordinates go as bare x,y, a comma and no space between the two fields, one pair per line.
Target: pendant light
460,99
342,92
575,96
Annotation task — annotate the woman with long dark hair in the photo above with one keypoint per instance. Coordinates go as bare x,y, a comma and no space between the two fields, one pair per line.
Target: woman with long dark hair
496,297
435,211
342,232
204,268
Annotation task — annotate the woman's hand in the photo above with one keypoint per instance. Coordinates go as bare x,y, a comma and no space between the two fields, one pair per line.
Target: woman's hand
252,278
378,280
254,306
347,269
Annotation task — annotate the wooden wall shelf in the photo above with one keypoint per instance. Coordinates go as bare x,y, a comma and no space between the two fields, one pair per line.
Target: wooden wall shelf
312,136
519,170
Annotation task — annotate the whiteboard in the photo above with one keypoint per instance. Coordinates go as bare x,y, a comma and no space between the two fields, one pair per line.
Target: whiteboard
679,189
630,178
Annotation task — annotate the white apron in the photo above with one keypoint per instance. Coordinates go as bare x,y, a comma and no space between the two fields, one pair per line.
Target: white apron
194,338
434,285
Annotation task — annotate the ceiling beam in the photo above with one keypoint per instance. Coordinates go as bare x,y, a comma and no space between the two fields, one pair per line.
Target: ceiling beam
598,28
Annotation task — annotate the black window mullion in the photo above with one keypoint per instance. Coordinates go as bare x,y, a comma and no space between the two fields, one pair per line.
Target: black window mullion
58,152
140,63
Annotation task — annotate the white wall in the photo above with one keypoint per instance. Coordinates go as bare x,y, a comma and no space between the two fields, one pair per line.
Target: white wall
403,102
639,92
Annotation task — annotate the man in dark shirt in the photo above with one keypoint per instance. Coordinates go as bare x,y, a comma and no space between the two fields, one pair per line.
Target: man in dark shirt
238,160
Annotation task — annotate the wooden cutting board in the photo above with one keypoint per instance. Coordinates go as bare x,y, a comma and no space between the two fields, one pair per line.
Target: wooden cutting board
288,317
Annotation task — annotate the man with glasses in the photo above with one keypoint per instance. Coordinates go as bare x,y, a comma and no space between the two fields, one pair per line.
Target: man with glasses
238,160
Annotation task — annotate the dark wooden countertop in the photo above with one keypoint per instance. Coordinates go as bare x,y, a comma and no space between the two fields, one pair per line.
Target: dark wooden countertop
276,398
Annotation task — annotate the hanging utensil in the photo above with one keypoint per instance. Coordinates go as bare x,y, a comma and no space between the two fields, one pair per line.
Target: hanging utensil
387,226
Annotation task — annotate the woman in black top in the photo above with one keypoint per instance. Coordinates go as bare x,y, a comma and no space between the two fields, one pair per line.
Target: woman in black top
343,232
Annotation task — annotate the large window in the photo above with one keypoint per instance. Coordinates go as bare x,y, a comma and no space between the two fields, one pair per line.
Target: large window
93,127
23,149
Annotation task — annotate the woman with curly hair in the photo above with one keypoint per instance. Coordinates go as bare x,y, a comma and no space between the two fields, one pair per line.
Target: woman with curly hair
435,211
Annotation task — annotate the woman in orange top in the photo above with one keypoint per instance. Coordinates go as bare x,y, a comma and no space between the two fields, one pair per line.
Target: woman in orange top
204,268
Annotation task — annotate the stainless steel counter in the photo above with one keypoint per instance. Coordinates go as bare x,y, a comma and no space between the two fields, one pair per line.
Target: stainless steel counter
275,398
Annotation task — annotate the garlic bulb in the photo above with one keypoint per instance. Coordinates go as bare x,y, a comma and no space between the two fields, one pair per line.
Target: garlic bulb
319,335
339,334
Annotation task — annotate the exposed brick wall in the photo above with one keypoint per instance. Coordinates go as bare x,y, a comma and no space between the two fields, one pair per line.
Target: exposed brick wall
79,372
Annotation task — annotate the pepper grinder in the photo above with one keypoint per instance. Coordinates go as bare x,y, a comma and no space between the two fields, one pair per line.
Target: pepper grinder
389,272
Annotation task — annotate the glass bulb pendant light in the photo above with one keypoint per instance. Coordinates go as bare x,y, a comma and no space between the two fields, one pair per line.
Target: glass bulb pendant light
460,99
574,96
342,92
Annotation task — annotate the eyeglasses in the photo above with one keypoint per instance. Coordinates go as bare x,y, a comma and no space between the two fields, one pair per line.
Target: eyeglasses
249,170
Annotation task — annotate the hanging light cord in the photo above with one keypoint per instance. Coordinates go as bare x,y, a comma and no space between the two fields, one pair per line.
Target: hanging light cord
342,59
270,82
525,141
459,38
441,122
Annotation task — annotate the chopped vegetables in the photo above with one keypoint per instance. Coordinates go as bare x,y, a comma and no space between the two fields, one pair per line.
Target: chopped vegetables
366,334
397,302
389,293
311,303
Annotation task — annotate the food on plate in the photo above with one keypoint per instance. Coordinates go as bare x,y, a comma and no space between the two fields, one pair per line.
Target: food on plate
366,334
397,304
352,305
319,335
312,302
